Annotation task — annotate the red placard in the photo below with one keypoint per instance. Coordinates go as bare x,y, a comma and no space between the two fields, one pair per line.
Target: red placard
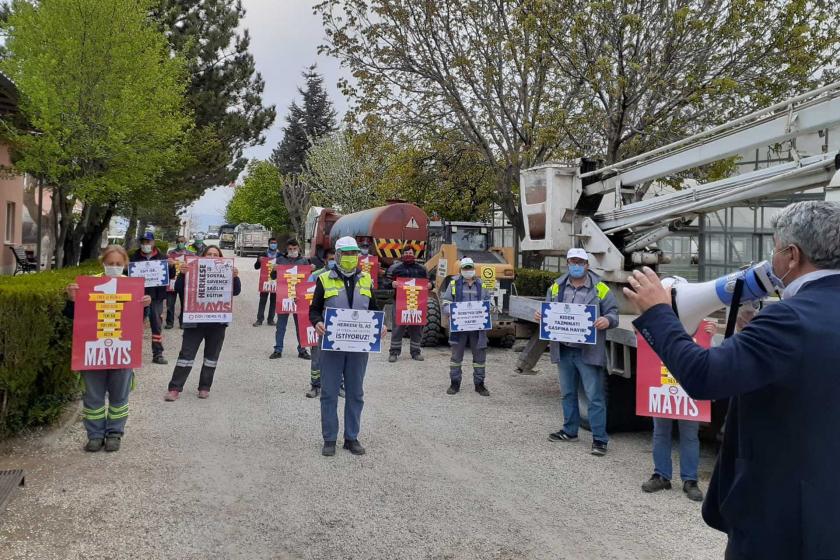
208,290
288,277
304,292
412,301
108,323
266,283
370,264
657,392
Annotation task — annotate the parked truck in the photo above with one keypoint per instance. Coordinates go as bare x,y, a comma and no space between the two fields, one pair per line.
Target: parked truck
391,228
251,240
227,236
563,207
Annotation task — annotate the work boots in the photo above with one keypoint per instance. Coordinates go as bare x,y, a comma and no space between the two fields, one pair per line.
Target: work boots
354,447
454,387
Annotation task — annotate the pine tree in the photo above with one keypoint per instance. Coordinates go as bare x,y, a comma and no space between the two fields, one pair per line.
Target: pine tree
304,125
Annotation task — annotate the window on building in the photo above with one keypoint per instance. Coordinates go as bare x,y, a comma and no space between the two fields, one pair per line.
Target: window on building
10,222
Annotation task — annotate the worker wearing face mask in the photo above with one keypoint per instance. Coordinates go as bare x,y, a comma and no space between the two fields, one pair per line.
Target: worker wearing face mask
291,256
364,248
198,246
583,363
315,364
408,268
344,287
271,253
175,257
466,288
154,312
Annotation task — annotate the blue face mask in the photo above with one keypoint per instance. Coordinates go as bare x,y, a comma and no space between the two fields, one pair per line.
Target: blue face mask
577,270
272,246
330,265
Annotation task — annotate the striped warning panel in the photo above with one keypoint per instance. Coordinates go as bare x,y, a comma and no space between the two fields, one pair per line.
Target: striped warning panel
392,248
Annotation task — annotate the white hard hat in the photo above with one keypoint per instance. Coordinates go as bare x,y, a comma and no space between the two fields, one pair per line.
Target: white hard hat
346,243
467,262
577,253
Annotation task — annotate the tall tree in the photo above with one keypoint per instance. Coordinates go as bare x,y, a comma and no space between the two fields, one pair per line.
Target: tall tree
258,199
105,96
305,124
224,92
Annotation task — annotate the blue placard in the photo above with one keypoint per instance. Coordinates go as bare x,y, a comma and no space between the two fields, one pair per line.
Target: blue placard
568,322
468,316
155,272
352,330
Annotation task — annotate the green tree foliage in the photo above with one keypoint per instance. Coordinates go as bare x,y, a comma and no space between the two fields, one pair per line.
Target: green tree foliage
224,90
524,81
105,99
259,199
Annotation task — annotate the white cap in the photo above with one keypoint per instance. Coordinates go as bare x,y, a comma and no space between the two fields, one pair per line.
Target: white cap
577,253
466,261
346,243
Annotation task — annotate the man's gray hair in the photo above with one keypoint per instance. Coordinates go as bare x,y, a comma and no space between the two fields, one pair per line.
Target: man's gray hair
814,227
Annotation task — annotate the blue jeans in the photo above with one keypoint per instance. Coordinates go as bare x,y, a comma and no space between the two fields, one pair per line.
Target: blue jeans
573,372
280,333
689,448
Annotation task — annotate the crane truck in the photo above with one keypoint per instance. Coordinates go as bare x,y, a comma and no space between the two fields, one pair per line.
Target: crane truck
441,244
584,205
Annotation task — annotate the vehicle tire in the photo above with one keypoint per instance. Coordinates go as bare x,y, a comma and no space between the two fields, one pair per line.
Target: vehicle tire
620,394
506,341
432,331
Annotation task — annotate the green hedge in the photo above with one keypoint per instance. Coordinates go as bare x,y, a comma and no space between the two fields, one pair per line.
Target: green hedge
35,377
530,282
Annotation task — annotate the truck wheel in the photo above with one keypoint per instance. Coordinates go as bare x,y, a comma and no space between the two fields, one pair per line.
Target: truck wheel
432,332
620,394
506,341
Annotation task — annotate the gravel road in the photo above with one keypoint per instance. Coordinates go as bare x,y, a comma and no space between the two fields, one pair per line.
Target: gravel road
241,476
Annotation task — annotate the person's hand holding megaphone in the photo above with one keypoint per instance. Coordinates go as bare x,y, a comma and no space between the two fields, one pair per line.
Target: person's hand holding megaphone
646,290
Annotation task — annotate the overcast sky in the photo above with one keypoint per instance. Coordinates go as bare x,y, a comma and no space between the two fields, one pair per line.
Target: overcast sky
285,35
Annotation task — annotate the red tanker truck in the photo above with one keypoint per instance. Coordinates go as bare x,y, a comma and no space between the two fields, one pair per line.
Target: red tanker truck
387,228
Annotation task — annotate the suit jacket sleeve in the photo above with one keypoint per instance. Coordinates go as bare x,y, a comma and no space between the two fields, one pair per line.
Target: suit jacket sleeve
765,352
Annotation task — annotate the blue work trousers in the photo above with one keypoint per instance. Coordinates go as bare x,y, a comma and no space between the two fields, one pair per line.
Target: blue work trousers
280,332
335,366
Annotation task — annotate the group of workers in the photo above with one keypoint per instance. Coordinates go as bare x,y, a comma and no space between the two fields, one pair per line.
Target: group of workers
773,490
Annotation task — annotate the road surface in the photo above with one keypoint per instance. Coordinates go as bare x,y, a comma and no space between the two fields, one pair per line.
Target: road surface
241,476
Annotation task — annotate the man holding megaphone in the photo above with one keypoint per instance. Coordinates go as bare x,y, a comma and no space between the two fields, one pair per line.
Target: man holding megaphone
774,490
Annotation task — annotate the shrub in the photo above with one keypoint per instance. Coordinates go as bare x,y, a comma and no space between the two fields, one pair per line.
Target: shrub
162,246
530,282
35,338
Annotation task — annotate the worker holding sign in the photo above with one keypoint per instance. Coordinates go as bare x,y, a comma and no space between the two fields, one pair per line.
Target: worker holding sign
146,253
407,269
107,313
291,257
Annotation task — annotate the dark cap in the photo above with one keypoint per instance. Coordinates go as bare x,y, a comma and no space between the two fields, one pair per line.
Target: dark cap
148,236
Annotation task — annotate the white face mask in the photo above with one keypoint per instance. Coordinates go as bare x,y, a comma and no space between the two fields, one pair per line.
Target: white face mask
113,271
468,274
293,254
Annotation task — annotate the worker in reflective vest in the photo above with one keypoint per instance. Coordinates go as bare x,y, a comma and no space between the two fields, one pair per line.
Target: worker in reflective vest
466,288
344,287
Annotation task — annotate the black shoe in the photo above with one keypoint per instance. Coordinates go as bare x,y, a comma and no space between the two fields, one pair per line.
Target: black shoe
454,387
257,324
393,358
168,326
693,491
354,446
313,392
418,358
271,323
112,443
655,484
599,448
275,355
159,360
562,436
304,355
94,444
482,390
329,449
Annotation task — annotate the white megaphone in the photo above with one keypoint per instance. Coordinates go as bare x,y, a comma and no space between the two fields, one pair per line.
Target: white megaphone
694,302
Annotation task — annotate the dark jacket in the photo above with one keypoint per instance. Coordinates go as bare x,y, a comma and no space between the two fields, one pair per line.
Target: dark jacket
405,270
157,292
774,489
602,296
179,287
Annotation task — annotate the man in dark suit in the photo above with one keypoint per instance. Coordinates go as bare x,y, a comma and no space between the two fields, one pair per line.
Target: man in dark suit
775,489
